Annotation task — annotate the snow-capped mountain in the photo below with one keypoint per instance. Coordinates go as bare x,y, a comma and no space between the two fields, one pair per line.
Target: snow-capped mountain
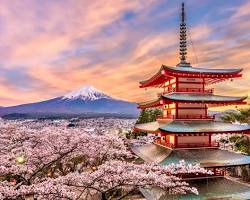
82,101
86,93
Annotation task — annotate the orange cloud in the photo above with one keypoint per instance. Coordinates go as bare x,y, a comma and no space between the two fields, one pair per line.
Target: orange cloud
65,45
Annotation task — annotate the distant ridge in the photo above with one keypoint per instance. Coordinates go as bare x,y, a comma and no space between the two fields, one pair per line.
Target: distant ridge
83,101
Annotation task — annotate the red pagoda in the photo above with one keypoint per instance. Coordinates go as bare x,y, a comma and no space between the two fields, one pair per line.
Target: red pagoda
185,128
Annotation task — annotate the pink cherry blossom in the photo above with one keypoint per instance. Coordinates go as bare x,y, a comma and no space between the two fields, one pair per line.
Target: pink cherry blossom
55,162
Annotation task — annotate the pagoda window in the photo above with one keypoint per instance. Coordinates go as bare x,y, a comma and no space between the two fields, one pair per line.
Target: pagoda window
172,139
168,110
169,86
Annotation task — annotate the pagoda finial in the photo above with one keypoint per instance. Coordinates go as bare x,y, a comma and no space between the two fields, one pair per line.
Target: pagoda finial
183,38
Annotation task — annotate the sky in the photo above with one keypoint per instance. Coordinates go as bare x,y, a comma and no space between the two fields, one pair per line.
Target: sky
51,47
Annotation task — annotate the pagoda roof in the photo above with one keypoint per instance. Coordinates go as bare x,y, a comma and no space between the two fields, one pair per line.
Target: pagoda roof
194,126
206,157
211,75
191,126
216,188
192,98
203,126
151,127
201,98
150,104
189,69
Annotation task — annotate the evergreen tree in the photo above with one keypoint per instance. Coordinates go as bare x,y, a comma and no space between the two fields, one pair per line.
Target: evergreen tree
148,115
243,116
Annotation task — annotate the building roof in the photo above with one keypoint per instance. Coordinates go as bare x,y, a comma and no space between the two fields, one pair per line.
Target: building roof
189,69
151,127
192,98
201,98
206,157
191,126
150,104
203,126
215,188
151,152
211,75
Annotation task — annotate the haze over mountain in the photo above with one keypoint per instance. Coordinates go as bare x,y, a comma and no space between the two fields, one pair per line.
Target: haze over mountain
82,101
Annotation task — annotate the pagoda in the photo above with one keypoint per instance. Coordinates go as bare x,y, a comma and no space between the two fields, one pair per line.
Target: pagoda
185,129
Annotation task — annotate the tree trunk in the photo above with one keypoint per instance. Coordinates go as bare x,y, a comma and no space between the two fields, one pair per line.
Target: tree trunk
104,196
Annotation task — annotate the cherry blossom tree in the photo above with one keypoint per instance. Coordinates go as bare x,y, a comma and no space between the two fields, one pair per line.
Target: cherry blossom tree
59,163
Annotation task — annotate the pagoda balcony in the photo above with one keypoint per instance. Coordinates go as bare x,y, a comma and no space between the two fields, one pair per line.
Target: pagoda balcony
186,145
186,117
189,90
195,90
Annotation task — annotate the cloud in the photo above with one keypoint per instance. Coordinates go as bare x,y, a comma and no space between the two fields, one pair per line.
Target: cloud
56,46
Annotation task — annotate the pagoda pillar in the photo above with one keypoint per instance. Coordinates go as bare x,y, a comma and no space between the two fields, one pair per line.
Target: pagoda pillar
209,141
203,87
177,84
175,141
176,110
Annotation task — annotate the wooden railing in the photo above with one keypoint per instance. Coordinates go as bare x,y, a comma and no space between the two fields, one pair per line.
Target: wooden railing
195,117
191,90
164,143
185,145
187,117
196,90
194,145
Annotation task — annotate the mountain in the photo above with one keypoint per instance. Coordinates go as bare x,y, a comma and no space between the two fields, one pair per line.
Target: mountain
86,93
86,100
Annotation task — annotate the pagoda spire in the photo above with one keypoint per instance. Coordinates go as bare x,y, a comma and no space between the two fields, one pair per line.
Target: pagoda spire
183,38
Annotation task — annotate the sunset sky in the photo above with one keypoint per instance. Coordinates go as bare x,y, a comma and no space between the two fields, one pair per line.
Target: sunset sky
50,47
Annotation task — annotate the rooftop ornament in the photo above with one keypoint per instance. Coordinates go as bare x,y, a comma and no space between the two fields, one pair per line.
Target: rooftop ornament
183,39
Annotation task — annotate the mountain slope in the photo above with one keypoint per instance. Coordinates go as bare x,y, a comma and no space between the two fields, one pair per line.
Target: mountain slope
85,100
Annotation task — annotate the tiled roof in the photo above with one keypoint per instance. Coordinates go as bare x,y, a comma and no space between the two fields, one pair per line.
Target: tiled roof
150,127
197,97
202,70
214,188
207,157
202,126
151,102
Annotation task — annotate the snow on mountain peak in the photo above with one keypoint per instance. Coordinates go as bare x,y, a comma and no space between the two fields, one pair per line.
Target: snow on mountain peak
86,92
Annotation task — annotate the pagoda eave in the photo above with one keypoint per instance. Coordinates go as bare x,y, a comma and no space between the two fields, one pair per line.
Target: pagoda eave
201,98
189,98
151,104
157,79
201,133
211,76
213,127
145,130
